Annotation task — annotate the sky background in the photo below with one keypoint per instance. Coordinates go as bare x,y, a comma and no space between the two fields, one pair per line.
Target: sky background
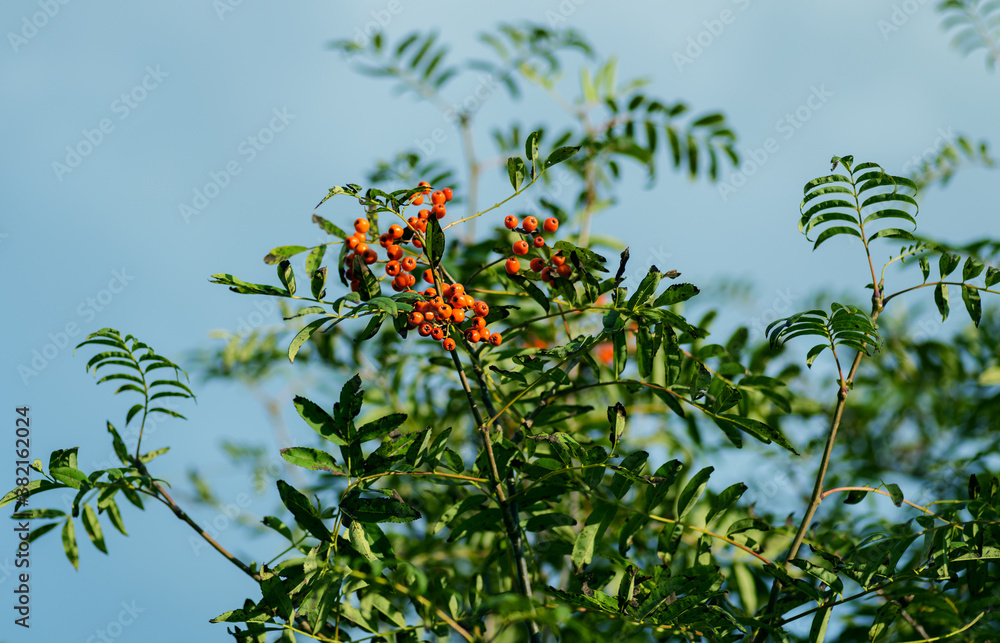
106,244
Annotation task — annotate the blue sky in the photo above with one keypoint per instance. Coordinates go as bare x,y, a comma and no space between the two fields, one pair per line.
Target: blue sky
160,100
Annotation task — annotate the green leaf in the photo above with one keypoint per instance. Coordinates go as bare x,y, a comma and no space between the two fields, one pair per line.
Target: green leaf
854,497
93,528
389,508
303,336
286,276
328,227
281,253
663,478
315,259
675,294
69,543
584,545
948,263
70,477
318,419
381,427
516,171
368,286
360,541
973,304
689,497
883,619
32,514
303,511
992,276
532,290
560,155
973,267
925,267
616,416
746,524
725,500
895,493
531,148
371,329
434,238
941,300
309,458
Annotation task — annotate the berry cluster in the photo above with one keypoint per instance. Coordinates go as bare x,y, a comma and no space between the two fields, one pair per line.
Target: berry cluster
550,268
436,316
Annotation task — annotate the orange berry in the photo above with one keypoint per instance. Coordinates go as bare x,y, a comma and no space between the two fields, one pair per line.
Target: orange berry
410,280
430,292
520,247
425,329
418,200
412,222
448,344
513,266
558,260
510,221
457,315
394,252
416,318
481,309
437,333
430,315
361,225
443,310
417,243
529,224
369,255
421,225
538,241
468,301
408,264
424,214
546,274
484,334
478,322
399,283
565,270
458,289
352,243
472,335
439,211
456,301
437,197
392,268
361,248
447,194
428,276
537,264
495,339
396,231
355,285
551,224
384,240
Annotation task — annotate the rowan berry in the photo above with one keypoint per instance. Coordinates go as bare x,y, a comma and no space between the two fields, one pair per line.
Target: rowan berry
399,283
437,197
468,301
423,215
408,264
537,264
416,318
478,322
447,194
412,222
529,224
443,310
551,224
430,315
423,184
421,225
355,285
392,268
410,281
546,274
428,276
396,231
430,292
448,344
439,211
510,221
352,243
361,225
558,260
394,252
417,243
538,241
484,334
565,270
425,329
418,200
520,247
457,289
437,333
384,239
472,335
369,255
495,339
457,315
361,248
481,309
513,266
